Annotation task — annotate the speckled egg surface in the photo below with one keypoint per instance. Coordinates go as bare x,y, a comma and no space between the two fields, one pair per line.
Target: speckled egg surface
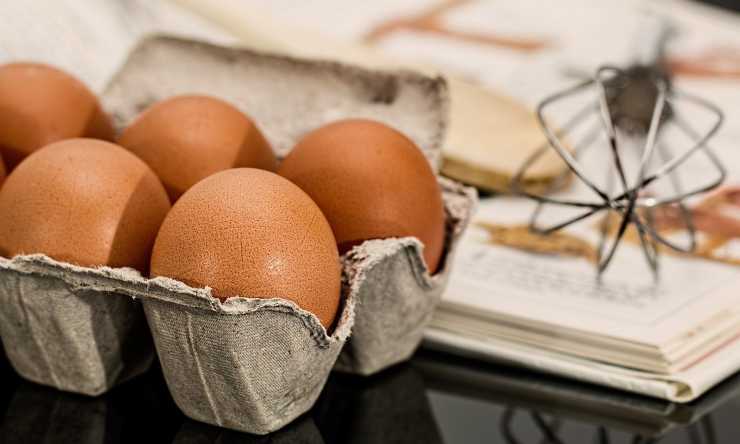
39,105
83,201
187,138
249,232
371,182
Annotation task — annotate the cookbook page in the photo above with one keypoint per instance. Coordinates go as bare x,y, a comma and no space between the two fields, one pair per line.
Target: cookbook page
504,280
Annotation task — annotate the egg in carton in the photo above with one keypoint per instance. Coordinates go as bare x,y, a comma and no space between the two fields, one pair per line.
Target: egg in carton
219,365
288,97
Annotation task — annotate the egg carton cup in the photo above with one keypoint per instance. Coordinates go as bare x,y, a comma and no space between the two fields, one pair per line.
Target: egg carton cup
72,338
247,364
252,365
396,295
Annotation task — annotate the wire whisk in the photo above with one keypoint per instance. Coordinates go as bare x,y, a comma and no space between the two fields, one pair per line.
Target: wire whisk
636,105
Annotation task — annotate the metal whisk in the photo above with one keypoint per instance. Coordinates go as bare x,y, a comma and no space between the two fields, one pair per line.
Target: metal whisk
636,104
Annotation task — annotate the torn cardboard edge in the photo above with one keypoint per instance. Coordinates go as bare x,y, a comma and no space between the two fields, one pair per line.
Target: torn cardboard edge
130,282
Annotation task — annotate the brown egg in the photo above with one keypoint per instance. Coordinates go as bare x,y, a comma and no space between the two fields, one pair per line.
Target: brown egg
82,201
371,182
187,138
39,105
248,232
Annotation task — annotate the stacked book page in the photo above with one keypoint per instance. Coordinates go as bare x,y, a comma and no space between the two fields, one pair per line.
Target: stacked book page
672,339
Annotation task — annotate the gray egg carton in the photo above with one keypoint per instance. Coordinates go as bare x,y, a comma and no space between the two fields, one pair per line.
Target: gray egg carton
285,96
247,364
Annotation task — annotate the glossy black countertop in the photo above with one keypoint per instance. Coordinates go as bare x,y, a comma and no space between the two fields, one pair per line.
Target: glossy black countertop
435,398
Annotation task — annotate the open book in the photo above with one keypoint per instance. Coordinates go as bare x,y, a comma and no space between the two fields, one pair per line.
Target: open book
673,338
536,301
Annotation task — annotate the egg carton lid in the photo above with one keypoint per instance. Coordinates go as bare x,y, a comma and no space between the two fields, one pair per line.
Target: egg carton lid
285,96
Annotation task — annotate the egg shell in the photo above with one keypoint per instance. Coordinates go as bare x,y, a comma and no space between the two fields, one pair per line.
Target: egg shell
83,201
40,104
187,138
248,232
371,182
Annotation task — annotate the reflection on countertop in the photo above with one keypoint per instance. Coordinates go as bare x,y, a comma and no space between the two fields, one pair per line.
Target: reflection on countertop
516,406
434,399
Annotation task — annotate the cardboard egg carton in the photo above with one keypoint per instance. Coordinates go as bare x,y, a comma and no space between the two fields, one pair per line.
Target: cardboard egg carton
220,359
398,295
247,364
